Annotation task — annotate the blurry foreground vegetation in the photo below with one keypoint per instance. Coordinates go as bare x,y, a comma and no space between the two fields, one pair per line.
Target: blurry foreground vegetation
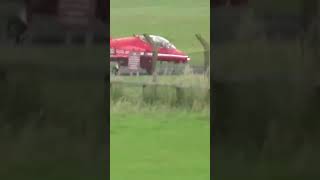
52,113
267,121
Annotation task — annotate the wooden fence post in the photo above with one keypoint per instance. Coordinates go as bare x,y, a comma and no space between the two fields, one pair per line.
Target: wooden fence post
154,56
206,48
144,92
179,95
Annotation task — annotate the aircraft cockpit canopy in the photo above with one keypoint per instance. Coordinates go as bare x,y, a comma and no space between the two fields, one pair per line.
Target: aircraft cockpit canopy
160,41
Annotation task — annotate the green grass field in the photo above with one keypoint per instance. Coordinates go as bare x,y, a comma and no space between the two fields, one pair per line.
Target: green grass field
158,143
177,21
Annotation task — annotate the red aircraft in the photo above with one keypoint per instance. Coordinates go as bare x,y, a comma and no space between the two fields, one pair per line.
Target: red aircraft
121,47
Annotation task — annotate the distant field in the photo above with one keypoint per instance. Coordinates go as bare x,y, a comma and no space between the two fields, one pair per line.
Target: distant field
177,20
158,143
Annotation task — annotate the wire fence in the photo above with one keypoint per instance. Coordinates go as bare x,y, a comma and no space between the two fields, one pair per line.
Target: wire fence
160,93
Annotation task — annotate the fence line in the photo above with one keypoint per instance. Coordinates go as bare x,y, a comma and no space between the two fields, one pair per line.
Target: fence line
143,85
180,95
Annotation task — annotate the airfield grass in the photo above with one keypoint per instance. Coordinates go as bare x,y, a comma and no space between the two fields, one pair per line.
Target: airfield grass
159,143
178,21
159,140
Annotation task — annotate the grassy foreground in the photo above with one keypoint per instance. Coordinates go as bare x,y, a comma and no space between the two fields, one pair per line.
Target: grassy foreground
194,95
158,143
163,139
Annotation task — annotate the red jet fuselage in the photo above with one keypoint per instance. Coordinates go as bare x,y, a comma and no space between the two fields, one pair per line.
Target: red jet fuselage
121,47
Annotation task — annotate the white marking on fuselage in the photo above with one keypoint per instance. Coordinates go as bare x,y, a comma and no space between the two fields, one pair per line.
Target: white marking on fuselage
168,55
